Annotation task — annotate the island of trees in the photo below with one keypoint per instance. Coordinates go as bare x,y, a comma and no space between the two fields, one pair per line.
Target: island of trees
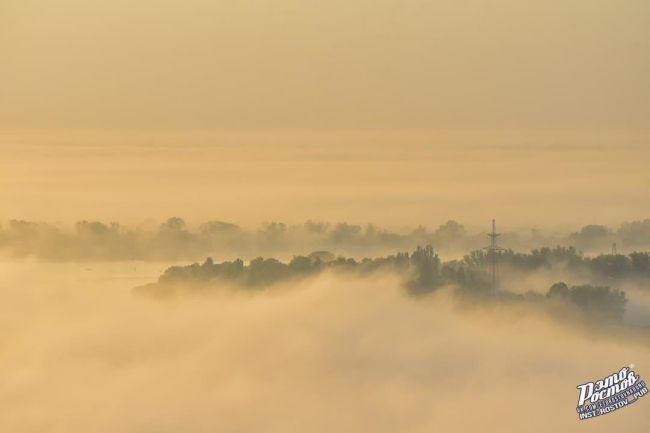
423,272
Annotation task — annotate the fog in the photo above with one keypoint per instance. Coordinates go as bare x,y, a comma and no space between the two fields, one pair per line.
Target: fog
176,239
82,353
553,180
255,216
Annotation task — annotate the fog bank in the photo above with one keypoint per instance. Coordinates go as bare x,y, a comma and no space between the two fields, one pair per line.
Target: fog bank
329,354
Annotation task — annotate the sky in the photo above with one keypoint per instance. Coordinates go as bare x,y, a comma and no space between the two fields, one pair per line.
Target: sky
290,64
394,112
395,179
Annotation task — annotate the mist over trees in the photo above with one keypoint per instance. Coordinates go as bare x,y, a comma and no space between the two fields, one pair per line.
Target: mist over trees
337,244
604,267
423,272
176,239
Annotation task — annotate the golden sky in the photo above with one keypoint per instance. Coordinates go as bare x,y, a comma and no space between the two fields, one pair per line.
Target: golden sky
299,64
524,179
395,112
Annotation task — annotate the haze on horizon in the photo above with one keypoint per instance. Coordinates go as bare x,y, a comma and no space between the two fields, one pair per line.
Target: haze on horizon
396,113
394,179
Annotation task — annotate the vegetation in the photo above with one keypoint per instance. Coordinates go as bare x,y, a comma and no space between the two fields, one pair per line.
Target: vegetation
176,239
603,267
424,273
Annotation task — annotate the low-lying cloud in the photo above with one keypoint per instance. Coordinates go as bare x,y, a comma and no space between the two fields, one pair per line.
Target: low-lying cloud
329,353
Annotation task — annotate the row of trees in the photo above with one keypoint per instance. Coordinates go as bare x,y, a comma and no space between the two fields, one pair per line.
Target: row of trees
422,270
602,300
175,239
604,267
423,265
633,234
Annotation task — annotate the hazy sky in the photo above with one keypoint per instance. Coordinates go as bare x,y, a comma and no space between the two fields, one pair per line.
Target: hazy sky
396,112
524,179
297,64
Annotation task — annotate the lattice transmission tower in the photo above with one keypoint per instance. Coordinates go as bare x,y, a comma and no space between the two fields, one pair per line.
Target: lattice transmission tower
493,255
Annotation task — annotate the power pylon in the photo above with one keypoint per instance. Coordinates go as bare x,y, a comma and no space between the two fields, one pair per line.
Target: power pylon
493,254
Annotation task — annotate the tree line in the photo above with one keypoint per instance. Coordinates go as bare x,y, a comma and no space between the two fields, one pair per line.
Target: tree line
176,239
422,273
